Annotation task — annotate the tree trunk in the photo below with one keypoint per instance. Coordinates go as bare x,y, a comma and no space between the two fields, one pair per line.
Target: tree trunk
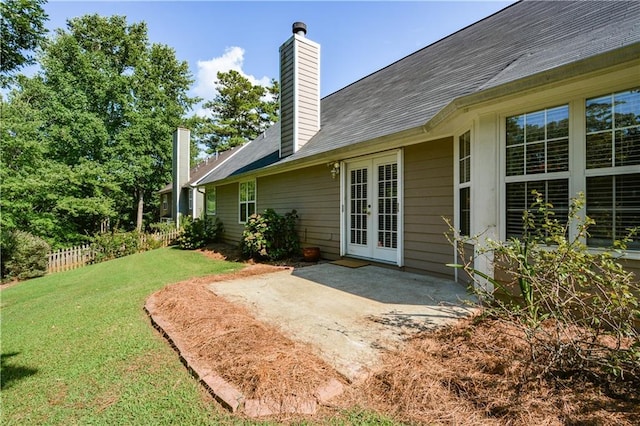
140,210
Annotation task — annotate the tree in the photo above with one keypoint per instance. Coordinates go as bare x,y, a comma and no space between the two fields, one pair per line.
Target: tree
22,31
129,96
58,202
88,139
240,111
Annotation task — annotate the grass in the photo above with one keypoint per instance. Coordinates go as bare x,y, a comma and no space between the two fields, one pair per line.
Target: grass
77,347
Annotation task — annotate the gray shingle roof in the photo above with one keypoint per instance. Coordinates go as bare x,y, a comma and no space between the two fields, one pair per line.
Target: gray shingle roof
523,39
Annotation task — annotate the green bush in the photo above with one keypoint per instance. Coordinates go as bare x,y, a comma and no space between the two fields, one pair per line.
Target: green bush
578,309
199,232
162,227
23,255
270,236
112,245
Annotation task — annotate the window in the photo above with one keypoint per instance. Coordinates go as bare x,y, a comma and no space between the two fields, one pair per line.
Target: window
210,196
613,130
538,142
165,203
190,206
612,157
247,199
614,203
537,158
464,183
520,198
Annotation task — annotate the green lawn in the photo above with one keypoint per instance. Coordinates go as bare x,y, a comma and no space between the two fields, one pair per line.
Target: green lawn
77,347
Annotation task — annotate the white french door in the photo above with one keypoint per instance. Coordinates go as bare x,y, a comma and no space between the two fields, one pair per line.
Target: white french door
372,214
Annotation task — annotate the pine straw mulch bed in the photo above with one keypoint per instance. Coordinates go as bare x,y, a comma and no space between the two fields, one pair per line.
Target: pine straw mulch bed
472,373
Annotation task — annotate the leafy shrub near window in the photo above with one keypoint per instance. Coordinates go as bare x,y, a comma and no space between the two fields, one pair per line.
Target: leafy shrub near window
270,236
197,233
112,245
24,255
578,310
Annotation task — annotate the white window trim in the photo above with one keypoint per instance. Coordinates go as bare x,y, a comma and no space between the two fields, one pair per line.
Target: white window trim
578,172
456,173
255,198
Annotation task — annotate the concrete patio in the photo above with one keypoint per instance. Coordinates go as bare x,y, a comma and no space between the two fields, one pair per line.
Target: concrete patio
350,316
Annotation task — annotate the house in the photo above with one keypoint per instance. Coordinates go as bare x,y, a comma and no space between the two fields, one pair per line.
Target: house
190,200
540,95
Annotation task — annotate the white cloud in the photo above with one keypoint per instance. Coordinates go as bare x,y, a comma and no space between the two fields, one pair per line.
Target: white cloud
231,59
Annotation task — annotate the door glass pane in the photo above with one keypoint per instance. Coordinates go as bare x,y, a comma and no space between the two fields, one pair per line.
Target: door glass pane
358,217
387,176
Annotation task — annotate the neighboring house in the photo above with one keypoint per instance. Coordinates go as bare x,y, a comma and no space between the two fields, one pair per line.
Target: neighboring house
541,95
190,200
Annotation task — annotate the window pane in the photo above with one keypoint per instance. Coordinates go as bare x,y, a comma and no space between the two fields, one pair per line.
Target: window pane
628,147
465,170
515,130
243,191
535,126
627,108
600,208
251,209
243,212
547,142
599,150
613,142
516,205
465,211
558,195
515,160
251,191
535,158
558,122
614,203
520,198
558,156
599,114
628,207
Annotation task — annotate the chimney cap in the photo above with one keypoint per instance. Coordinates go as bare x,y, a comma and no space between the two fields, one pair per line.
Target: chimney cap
299,27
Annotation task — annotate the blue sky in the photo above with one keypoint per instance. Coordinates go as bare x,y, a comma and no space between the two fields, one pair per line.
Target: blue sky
356,38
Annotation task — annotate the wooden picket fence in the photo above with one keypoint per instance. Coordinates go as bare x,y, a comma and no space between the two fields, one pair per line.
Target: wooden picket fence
79,256
70,258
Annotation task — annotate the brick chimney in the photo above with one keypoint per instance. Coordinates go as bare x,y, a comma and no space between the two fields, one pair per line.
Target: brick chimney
299,90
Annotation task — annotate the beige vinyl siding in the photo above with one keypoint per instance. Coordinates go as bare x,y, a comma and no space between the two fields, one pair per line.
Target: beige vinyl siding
316,197
308,91
287,101
227,212
428,196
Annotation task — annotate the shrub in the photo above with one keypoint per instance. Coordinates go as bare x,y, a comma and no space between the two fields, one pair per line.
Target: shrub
578,308
112,245
199,232
270,236
23,255
162,227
